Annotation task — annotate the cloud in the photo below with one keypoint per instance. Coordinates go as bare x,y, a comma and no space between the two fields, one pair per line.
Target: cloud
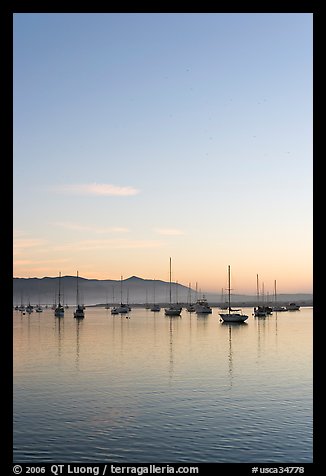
169,231
78,227
24,262
99,189
28,242
21,245
121,244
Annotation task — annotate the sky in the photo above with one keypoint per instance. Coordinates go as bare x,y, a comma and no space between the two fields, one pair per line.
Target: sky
144,136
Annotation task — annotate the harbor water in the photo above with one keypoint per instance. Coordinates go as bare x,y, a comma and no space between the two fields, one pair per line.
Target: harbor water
147,388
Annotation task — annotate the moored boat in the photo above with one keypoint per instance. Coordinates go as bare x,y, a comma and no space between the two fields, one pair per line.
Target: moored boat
29,308
173,309
277,307
59,310
155,307
292,306
260,311
79,311
201,306
233,315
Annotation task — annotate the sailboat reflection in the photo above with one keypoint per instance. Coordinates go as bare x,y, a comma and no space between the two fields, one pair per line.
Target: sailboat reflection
172,324
59,329
232,328
79,326
261,328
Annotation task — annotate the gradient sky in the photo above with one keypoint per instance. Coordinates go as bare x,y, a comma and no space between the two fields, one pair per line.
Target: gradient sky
143,136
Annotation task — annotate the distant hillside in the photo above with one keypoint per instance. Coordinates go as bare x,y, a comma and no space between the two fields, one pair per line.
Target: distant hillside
134,290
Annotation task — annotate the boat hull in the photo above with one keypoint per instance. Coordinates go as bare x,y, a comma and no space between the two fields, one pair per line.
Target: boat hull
293,307
122,310
79,313
203,310
59,313
229,317
155,308
202,307
172,312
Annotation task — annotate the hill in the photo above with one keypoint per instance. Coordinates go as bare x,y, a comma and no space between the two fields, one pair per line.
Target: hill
134,290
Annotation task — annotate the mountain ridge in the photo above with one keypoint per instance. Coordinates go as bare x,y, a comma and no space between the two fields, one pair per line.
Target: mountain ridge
134,289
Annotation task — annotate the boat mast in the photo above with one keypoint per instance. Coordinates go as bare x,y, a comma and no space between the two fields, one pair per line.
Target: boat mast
59,304
77,297
121,289
170,281
257,290
154,291
229,280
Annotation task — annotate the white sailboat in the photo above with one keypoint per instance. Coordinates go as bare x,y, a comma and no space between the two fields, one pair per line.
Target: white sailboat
173,309
233,315
79,311
59,310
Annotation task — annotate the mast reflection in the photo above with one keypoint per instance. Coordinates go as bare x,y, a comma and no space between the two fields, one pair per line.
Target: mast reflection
79,324
59,330
173,320
232,328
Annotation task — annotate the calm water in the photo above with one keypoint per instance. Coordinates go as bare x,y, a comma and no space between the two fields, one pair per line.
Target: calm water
164,390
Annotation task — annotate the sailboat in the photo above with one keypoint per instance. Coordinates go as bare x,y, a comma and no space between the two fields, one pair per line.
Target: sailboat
147,306
114,309
123,308
39,308
261,310
155,307
233,315
107,305
190,307
79,311
59,310
277,307
173,309
29,308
